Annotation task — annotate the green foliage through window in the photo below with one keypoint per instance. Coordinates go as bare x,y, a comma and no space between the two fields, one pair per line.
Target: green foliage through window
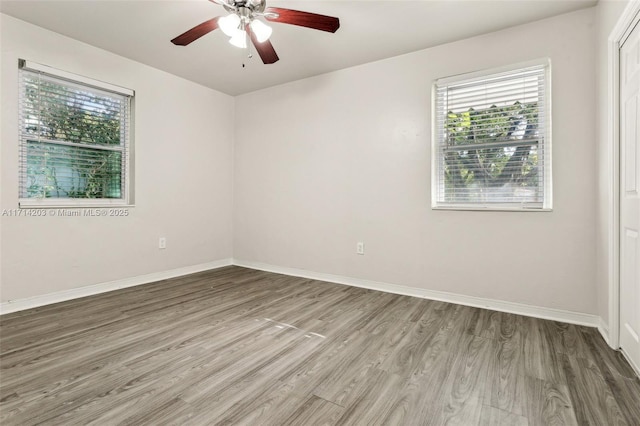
492,139
493,148
73,140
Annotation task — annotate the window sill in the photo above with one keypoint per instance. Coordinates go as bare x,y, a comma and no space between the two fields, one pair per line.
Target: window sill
53,203
493,208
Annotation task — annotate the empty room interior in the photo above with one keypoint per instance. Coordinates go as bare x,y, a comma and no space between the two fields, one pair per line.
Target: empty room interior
278,212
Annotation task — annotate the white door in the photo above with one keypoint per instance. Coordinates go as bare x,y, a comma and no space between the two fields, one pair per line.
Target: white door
630,197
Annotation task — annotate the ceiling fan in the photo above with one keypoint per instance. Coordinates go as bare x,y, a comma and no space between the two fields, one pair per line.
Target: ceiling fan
242,23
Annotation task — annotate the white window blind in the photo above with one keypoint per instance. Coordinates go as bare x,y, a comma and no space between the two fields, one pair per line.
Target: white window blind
74,136
492,145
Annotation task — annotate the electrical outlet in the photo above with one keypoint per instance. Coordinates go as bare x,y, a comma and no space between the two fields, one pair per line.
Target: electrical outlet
162,243
360,248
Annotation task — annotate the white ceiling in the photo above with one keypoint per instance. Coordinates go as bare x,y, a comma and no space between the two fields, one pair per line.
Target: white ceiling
370,30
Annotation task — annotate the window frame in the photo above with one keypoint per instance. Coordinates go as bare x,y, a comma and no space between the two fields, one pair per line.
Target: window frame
436,158
127,199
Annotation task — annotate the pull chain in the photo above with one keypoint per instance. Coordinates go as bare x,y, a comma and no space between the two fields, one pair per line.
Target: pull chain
248,44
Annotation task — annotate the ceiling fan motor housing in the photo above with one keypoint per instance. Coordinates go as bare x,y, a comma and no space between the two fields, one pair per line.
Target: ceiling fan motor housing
252,5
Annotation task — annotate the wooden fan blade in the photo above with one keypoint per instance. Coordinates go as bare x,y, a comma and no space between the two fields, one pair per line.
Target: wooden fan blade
265,49
196,32
304,19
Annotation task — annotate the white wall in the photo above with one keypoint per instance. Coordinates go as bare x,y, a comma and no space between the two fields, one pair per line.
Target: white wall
325,162
183,172
608,13
320,164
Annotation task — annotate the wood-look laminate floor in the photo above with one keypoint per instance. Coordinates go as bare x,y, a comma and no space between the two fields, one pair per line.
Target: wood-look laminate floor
238,346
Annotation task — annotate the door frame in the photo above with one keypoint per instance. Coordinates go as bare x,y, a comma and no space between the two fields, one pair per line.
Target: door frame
627,21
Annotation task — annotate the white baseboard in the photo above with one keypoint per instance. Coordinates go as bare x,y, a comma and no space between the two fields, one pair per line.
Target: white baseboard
603,328
479,302
90,290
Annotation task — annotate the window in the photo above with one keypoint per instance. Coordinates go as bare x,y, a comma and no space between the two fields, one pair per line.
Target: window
492,140
74,139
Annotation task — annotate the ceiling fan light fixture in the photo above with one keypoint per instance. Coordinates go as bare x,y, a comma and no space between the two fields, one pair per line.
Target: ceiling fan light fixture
239,39
229,24
261,30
